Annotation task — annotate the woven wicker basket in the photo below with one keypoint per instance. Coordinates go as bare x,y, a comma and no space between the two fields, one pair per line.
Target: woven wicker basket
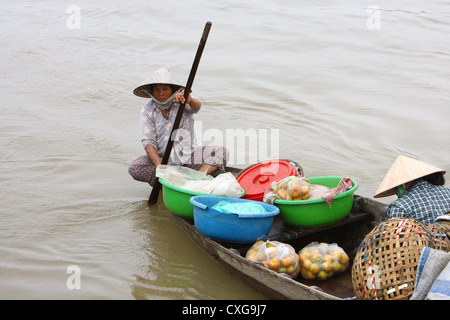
446,226
439,236
385,265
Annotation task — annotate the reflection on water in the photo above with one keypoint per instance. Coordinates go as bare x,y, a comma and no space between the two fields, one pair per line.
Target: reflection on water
346,87
176,268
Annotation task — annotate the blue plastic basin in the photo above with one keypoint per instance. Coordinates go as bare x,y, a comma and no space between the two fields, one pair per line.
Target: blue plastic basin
243,227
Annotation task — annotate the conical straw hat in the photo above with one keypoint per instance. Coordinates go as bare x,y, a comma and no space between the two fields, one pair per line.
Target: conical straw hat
404,170
162,75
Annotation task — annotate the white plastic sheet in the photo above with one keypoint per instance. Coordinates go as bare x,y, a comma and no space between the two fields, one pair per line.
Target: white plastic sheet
224,184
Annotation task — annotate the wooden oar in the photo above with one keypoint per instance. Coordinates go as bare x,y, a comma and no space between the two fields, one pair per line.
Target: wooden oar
157,187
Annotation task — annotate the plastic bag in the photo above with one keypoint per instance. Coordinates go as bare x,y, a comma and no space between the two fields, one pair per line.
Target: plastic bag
178,175
321,261
292,188
276,256
224,184
328,194
239,207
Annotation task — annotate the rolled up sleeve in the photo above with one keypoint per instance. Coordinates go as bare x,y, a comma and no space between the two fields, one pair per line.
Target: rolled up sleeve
189,109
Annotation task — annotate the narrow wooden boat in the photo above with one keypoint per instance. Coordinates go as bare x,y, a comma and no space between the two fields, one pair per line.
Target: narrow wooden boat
347,233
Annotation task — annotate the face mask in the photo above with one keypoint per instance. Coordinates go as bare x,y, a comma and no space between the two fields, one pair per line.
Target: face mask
164,105
401,190
168,103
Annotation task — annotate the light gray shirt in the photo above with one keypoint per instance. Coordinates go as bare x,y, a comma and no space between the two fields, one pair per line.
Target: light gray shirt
155,130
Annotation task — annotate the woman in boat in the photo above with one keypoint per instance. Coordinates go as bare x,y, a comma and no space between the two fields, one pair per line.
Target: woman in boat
420,190
157,118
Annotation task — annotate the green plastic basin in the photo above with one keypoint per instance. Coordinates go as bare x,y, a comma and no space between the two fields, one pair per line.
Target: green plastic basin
176,199
316,212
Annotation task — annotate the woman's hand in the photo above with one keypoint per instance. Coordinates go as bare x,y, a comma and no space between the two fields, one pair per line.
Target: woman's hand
193,102
157,162
179,98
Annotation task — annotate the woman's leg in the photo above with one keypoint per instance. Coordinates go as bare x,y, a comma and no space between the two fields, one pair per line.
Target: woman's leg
143,169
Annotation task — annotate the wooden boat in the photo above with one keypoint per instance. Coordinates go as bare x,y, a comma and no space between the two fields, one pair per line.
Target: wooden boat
347,233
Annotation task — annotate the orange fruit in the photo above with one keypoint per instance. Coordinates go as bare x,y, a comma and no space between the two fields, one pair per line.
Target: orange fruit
314,268
307,264
274,263
322,275
327,267
282,194
336,266
295,192
304,190
287,261
336,255
304,256
317,258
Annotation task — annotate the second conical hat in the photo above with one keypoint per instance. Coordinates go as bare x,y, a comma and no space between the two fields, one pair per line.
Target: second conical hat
403,170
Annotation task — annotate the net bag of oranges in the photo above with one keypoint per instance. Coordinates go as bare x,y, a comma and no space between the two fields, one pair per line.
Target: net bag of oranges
292,188
320,261
276,256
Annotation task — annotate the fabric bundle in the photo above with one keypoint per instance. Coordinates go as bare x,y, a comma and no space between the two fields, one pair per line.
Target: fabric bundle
433,276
